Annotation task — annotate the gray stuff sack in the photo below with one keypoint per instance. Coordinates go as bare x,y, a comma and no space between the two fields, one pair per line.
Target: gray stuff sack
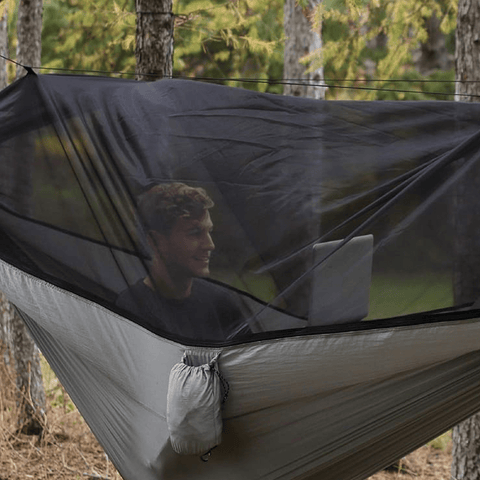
196,392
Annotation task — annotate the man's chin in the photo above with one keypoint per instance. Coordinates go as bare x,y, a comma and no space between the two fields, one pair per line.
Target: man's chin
200,272
203,274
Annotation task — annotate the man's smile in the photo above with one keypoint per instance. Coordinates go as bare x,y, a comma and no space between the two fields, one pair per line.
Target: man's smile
202,258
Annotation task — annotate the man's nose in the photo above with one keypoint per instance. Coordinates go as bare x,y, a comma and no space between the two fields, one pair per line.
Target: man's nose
209,245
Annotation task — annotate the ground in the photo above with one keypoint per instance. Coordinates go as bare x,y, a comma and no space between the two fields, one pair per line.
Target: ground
66,451
428,462
69,451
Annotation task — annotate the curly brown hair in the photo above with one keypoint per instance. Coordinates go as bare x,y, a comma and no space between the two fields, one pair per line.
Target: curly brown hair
162,205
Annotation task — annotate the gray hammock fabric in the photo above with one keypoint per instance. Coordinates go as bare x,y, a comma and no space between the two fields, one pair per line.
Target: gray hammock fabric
324,292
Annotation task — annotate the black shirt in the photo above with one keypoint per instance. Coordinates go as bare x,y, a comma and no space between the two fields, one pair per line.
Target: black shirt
209,313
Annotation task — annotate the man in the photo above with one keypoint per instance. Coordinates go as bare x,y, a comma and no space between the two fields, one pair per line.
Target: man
174,298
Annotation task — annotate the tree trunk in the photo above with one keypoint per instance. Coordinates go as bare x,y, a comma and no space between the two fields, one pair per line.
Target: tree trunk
29,34
466,449
433,55
6,315
466,435
4,305
29,379
22,350
301,39
154,39
29,53
3,49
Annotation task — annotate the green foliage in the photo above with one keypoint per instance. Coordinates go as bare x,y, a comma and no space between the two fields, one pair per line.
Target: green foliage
245,39
9,5
240,38
89,35
56,394
351,29
58,398
429,88
441,442
213,38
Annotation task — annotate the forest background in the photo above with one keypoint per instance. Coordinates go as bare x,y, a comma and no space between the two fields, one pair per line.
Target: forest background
372,49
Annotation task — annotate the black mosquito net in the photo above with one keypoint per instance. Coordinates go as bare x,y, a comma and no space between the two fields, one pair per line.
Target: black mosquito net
213,215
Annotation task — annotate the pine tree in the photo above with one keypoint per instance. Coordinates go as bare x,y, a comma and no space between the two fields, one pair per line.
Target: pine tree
22,350
466,435
302,37
3,47
154,39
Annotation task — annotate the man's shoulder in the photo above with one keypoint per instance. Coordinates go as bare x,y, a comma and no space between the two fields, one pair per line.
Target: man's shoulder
211,295
223,304
202,286
132,294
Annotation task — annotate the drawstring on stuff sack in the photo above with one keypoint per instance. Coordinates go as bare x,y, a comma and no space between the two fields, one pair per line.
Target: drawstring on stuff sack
226,390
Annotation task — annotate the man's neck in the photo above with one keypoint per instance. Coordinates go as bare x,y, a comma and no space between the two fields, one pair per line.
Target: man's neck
169,288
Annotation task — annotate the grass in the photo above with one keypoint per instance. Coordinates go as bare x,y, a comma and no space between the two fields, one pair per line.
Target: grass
442,442
261,286
391,296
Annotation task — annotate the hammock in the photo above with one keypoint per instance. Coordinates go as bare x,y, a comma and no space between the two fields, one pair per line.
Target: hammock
315,332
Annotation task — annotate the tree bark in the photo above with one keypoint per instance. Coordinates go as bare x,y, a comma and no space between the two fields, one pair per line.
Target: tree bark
301,39
29,379
154,39
3,49
22,353
4,305
6,315
29,53
466,449
29,34
466,435
21,348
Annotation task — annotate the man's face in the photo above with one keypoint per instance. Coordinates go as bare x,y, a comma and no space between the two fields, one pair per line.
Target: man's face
186,250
